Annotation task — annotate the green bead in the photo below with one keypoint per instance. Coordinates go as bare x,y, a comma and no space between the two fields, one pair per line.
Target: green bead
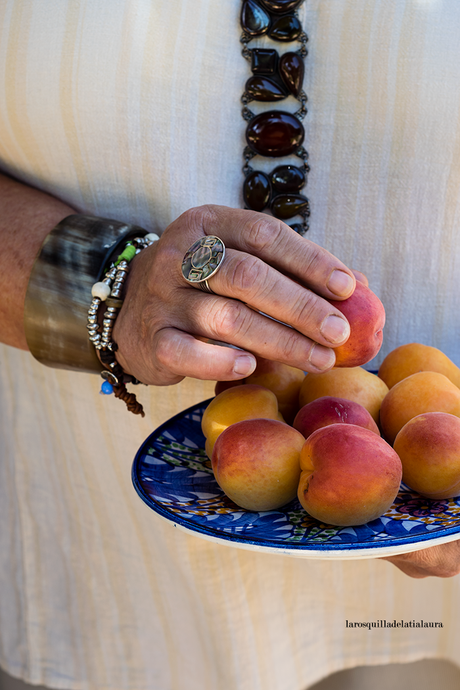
128,253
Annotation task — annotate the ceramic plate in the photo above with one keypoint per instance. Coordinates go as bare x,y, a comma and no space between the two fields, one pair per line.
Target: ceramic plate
173,476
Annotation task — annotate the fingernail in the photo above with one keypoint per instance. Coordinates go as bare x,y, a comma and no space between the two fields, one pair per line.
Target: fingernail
244,365
340,283
335,329
322,357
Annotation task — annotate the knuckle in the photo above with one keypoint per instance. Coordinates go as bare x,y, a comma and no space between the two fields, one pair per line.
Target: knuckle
246,272
305,311
315,258
290,346
199,217
167,350
262,234
229,319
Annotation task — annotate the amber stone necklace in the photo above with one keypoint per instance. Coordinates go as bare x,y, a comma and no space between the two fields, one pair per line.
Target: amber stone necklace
275,133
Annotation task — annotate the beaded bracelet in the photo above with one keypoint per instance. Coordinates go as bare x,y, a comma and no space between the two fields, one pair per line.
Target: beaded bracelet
109,290
71,259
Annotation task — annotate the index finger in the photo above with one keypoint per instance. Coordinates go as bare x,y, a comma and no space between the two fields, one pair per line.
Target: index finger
281,247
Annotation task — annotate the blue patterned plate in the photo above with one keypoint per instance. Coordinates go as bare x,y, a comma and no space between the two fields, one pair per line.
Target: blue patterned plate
173,475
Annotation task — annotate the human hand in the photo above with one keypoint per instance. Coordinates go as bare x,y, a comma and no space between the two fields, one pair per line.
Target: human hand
436,561
162,328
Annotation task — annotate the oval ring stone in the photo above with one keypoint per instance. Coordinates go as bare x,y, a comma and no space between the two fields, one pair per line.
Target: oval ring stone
203,259
275,133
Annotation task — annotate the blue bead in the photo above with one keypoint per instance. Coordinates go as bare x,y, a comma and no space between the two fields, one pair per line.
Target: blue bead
106,388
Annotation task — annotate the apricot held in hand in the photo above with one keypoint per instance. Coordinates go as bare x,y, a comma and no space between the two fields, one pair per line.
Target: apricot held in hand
256,463
429,448
350,475
366,315
329,410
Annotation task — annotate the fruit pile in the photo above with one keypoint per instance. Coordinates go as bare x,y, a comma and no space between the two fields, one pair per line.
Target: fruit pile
340,440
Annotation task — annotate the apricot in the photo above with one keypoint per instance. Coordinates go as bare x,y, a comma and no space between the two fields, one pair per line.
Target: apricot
283,380
354,383
414,357
350,475
429,448
366,315
328,410
256,463
426,391
234,405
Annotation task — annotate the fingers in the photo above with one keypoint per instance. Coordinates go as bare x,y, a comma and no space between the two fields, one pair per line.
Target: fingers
268,268
361,277
179,354
436,561
272,241
231,321
249,279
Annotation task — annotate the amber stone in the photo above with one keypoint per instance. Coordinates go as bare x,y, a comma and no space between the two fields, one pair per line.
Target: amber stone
292,70
281,6
287,179
274,133
285,28
256,190
285,206
264,60
264,89
254,19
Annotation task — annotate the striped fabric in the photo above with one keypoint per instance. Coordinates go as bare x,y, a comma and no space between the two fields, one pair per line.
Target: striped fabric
130,109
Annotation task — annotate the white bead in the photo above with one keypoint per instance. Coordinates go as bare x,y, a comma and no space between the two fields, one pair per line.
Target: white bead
101,290
152,237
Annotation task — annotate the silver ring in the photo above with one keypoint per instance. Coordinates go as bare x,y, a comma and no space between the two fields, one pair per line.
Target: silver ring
202,261
205,287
